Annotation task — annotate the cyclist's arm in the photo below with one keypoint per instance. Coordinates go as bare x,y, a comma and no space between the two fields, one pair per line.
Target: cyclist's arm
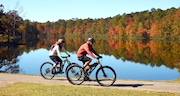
64,50
58,51
95,52
89,51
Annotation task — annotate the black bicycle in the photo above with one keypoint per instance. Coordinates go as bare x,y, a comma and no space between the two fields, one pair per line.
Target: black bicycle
105,75
47,67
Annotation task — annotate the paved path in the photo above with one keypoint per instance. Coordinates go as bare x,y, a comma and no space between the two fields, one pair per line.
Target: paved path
122,84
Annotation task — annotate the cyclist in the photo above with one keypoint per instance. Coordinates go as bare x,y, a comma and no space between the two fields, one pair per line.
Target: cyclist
55,53
85,49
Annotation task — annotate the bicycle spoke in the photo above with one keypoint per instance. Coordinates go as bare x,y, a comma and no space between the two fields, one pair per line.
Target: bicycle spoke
45,70
75,75
106,76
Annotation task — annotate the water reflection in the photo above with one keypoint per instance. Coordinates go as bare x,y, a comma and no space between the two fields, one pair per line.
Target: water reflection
8,59
130,58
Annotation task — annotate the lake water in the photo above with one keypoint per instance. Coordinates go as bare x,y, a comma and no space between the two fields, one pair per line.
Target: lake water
31,62
140,60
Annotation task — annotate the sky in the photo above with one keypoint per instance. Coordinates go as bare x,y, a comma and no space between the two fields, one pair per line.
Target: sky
53,10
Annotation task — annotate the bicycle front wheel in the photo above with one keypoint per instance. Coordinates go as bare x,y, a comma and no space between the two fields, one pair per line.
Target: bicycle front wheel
45,70
105,76
69,66
75,74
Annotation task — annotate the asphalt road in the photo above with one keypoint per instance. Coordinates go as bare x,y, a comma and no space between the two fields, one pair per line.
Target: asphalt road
163,86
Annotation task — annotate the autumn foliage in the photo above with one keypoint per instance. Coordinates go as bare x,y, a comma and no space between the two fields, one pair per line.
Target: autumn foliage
146,24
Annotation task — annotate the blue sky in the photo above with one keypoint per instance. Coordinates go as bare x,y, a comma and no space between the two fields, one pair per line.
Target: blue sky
53,10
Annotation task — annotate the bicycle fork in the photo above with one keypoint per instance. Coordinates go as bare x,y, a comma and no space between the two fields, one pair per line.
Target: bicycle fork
104,74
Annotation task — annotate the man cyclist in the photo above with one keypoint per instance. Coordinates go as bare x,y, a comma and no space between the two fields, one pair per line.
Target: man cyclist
85,49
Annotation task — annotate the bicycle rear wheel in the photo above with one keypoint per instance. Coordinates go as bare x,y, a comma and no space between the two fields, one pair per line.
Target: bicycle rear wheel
45,70
105,76
75,74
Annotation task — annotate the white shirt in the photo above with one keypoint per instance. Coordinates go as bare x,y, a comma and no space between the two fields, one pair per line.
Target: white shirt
55,51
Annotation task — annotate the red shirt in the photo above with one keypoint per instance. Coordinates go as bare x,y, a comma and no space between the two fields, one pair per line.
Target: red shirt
86,48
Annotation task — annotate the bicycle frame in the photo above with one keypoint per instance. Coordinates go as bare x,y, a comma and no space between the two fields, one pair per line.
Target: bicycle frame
93,68
66,60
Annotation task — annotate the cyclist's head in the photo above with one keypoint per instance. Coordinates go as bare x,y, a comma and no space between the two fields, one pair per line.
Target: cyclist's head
61,41
91,39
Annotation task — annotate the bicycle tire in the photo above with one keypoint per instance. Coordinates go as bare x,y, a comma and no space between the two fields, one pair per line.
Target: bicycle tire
75,74
45,70
105,76
68,66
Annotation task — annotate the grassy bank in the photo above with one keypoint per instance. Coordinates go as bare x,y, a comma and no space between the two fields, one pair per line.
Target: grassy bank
37,89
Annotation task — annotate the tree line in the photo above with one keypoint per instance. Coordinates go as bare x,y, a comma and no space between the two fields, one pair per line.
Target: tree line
154,23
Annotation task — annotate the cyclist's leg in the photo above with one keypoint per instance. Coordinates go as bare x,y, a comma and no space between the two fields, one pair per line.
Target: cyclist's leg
54,59
60,62
86,61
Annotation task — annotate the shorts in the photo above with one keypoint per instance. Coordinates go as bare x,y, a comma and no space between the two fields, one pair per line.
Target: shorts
84,59
56,59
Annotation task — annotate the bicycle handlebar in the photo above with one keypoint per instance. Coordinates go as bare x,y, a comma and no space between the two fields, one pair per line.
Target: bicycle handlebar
65,56
99,57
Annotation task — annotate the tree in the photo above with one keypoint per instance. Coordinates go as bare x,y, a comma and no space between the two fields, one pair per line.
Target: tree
1,14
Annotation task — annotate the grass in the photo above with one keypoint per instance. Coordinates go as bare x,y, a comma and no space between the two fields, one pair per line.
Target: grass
176,80
37,89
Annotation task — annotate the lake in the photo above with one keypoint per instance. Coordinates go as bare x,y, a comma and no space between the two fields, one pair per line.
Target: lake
131,60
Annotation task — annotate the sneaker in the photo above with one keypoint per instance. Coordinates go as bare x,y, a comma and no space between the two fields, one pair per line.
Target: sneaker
87,79
53,71
61,72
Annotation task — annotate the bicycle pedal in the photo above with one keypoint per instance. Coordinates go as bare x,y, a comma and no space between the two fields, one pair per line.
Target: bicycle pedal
61,72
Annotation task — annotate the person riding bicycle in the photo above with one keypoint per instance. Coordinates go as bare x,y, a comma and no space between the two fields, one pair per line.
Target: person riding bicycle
55,53
85,49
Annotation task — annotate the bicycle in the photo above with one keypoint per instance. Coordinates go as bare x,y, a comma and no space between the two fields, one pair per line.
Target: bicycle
46,68
105,75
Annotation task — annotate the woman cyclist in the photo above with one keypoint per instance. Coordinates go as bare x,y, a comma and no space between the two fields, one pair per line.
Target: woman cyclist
55,52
